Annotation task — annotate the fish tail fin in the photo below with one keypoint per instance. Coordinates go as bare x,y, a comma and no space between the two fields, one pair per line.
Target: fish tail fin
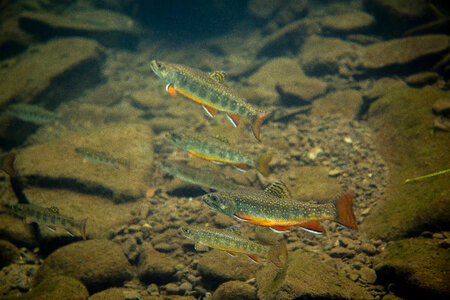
256,126
277,252
83,228
344,206
8,164
263,163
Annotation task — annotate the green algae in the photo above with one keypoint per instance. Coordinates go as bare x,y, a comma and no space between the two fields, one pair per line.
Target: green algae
403,121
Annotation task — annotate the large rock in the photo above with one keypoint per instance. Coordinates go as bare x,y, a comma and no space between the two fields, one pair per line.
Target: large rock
263,9
56,163
109,28
403,121
346,103
418,267
98,264
235,290
347,23
403,51
58,287
154,266
8,253
306,277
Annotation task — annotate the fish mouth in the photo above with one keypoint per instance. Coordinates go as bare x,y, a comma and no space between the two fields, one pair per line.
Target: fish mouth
210,201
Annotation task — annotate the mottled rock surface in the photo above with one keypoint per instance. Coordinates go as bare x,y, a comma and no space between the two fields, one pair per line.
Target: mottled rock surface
154,266
232,290
109,294
9,253
58,287
347,23
98,264
346,103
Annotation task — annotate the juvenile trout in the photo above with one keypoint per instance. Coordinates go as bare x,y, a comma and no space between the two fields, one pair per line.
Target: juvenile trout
231,243
32,113
204,177
271,207
208,90
47,216
215,150
101,157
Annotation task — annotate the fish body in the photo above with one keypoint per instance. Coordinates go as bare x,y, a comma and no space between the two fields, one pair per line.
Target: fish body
266,208
101,157
32,113
47,216
215,150
208,90
204,177
232,243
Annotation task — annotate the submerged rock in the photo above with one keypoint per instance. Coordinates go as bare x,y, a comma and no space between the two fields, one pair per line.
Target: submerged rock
154,266
418,267
8,253
232,290
98,264
346,103
347,23
58,287
306,277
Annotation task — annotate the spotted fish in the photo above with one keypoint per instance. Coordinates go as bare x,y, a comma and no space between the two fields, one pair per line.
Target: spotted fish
101,157
225,239
216,150
32,113
274,208
208,90
47,216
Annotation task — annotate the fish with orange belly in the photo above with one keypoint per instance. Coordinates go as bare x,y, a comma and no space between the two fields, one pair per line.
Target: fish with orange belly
274,208
219,151
208,90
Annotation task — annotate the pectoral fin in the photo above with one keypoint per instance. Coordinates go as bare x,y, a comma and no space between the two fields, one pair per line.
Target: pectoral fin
280,229
232,254
234,119
313,227
209,110
171,89
253,258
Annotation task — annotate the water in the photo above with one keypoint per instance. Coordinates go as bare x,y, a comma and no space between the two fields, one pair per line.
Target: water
358,95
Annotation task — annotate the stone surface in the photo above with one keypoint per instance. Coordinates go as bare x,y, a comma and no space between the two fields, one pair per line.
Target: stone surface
16,279
306,277
441,106
347,23
154,266
320,56
402,51
346,103
300,91
58,287
402,120
421,79
382,86
9,253
313,183
217,267
56,161
231,290
263,9
417,266
15,230
98,264
109,294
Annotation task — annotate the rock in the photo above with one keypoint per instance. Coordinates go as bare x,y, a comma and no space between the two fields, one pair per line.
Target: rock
381,87
368,275
56,161
263,9
313,183
15,230
186,287
421,79
107,27
441,106
369,249
13,40
417,266
98,264
356,21
300,91
43,73
172,289
291,11
346,103
306,277
341,252
217,267
109,294
16,277
235,289
321,56
402,121
165,247
58,287
8,253
287,39
154,266
403,51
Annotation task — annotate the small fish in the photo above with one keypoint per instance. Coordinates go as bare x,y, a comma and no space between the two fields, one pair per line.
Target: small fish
7,163
102,157
208,90
232,243
272,207
218,151
32,113
204,177
47,216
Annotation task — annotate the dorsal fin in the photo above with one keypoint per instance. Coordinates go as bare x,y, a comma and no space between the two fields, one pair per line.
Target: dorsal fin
218,76
53,209
278,189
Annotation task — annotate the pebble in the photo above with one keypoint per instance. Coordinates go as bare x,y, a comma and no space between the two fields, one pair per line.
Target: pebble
369,249
186,286
341,252
153,289
438,235
353,276
172,288
165,247
368,275
334,173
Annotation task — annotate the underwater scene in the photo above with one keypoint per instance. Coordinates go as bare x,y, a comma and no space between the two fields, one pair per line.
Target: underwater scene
254,149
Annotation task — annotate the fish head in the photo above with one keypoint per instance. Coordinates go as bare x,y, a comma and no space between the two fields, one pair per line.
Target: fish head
220,202
175,138
187,232
160,69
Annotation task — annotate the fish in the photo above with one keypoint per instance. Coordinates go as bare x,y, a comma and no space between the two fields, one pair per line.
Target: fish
230,242
218,151
47,216
208,89
7,163
101,157
205,177
272,207
32,113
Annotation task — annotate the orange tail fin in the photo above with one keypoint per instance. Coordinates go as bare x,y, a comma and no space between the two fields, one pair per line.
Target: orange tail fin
344,206
263,164
277,252
83,228
256,126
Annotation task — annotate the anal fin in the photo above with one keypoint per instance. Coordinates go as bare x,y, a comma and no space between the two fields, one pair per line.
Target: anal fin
234,119
241,167
209,110
253,258
280,229
231,253
312,226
